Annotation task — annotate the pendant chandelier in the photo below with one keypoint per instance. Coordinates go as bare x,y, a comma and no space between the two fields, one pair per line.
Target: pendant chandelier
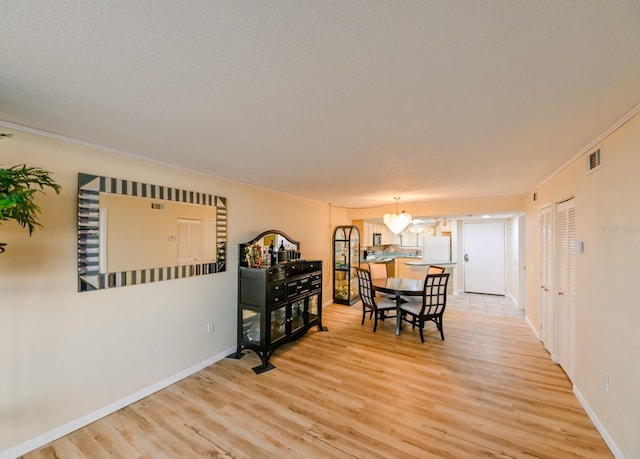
397,222
417,226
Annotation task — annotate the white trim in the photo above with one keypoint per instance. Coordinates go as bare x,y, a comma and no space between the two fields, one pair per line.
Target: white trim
598,425
65,429
533,329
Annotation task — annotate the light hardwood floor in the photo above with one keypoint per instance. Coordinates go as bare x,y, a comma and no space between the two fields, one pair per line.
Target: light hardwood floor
488,390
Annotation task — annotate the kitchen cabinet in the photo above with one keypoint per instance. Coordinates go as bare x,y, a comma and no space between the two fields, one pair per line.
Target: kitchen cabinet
387,237
367,235
346,257
277,303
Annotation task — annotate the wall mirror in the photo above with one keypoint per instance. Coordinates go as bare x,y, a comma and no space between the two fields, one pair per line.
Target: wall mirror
268,248
133,233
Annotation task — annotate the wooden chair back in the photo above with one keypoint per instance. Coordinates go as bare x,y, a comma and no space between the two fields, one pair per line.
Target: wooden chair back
367,293
434,296
378,270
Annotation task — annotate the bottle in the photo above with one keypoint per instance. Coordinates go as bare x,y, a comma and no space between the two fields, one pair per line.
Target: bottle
281,248
272,254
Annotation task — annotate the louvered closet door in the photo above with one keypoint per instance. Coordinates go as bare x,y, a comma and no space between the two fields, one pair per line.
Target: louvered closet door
566,224
547,315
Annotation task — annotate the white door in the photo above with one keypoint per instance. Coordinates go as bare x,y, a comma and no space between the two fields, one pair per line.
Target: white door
484,257
547,315
566,218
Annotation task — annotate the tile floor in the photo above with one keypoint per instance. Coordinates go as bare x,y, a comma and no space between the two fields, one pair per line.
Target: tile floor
490,305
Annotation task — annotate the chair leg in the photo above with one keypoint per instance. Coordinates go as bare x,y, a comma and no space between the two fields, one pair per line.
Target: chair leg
439,324
364,313
375,322
421,326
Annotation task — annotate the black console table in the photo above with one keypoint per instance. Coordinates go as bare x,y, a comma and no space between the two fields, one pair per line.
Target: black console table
279,295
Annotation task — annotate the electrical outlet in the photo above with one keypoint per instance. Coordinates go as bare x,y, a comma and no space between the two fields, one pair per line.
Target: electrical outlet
209,327
605,382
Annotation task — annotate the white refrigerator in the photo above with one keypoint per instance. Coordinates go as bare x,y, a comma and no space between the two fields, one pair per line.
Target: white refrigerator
436,248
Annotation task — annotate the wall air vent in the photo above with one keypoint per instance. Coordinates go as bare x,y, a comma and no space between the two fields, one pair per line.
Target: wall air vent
593,161
157,206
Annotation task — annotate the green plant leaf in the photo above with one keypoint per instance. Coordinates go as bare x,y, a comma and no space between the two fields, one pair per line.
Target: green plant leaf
18,187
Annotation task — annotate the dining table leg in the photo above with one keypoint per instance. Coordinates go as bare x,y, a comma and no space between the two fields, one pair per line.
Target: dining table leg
398,316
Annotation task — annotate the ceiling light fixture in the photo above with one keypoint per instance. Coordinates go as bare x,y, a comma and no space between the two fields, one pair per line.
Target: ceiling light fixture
397,222
417,226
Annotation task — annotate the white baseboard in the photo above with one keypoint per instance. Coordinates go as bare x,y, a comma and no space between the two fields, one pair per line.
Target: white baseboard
533,329
596,422
58,432
515,301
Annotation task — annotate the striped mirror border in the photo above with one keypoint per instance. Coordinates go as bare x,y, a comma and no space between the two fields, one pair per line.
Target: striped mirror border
89,189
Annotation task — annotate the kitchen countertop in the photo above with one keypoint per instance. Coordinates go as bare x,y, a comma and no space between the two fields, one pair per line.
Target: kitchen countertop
431,262
388,258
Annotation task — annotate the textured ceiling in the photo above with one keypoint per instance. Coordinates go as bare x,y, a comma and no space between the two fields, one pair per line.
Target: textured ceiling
346,102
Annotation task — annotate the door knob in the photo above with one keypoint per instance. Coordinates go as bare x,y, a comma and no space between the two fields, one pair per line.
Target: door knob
466,257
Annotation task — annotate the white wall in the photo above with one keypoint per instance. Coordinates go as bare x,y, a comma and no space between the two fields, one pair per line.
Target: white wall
64,354
607,313
515,239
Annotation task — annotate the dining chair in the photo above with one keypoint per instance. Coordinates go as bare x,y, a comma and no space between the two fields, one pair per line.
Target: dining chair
430,306
378,270
379,307
432,269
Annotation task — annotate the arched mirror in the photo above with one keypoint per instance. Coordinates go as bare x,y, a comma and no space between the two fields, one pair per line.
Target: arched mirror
133,233
269,248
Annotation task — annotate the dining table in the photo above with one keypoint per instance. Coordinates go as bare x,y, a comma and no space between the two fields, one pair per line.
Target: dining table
399,287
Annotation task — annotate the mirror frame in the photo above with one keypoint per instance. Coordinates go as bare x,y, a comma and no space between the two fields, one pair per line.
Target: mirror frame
89,189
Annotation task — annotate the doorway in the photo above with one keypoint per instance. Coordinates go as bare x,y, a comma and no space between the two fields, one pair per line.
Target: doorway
484,257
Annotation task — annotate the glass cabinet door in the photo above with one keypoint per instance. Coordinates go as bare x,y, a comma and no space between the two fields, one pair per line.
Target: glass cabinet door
346,256
340,286
297,315
278,323
251,326
313,307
